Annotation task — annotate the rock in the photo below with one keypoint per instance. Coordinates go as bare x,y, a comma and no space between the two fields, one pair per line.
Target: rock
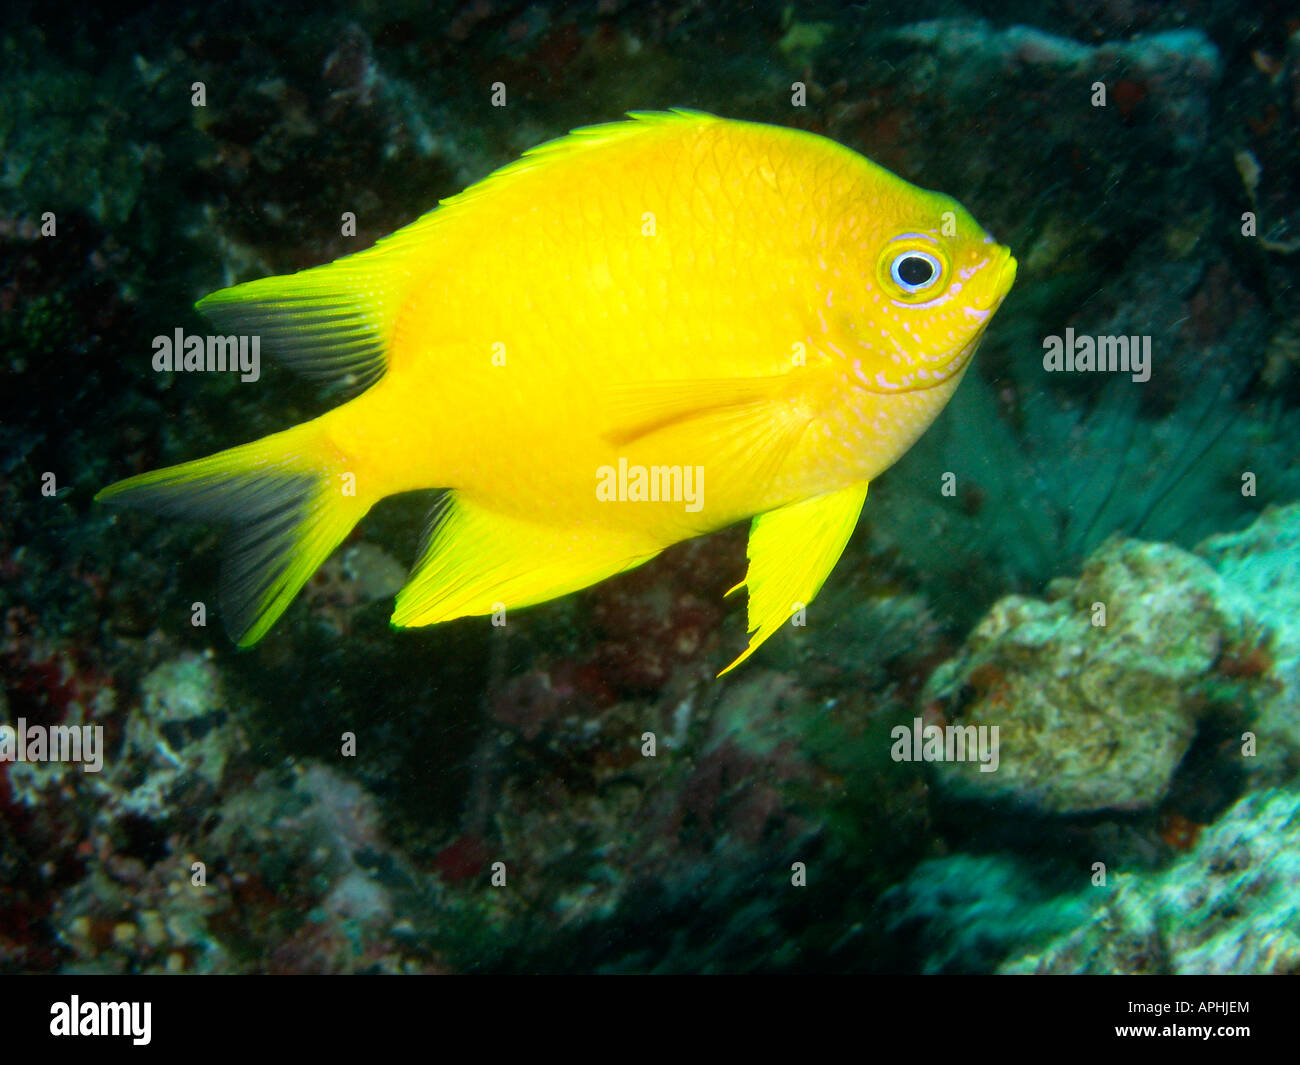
1263,563
1229,907
1097,693
178,739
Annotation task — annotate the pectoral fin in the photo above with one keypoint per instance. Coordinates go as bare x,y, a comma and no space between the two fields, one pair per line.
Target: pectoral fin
791,552
637,410
746,427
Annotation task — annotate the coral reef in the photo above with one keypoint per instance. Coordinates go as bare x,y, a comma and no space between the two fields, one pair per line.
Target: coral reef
1262,563
177,741
288,873
1229,907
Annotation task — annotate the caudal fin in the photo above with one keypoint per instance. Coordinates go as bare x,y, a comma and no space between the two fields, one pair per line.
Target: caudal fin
287,508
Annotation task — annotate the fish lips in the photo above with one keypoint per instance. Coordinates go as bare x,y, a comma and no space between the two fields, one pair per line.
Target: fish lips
1004,265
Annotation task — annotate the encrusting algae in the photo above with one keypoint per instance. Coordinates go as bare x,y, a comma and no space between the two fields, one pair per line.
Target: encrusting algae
636,334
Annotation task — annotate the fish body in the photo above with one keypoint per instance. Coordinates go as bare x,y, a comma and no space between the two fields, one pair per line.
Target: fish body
634,335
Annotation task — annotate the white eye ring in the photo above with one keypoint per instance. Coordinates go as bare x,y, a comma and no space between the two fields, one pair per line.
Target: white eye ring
908,259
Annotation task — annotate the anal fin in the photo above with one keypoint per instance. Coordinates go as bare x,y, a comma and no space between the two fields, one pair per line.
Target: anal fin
477,561
792,551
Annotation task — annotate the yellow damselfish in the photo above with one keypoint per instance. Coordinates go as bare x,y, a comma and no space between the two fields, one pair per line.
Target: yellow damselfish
635,334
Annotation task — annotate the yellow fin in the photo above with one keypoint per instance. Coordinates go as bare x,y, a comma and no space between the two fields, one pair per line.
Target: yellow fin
791,553
576,141
478,561
641,409
335,322
285,512
744,425
332,322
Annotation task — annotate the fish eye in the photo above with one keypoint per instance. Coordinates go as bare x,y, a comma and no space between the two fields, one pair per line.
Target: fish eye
913,270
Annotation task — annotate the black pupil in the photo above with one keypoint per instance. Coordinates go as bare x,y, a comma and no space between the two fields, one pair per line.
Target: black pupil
914,270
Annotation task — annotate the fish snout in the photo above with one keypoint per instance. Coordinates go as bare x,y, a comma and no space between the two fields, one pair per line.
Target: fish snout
1002,270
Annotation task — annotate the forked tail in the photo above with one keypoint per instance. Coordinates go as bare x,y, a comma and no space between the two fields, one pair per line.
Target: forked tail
289,501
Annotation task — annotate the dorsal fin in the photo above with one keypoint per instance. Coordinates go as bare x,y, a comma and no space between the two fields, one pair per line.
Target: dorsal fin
331,322
335,322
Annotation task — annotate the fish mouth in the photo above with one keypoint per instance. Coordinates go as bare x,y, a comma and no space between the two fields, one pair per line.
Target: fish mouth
1004,266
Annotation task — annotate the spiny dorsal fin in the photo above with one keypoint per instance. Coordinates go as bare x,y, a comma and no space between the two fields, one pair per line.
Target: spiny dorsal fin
584,139
332,322
335,322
